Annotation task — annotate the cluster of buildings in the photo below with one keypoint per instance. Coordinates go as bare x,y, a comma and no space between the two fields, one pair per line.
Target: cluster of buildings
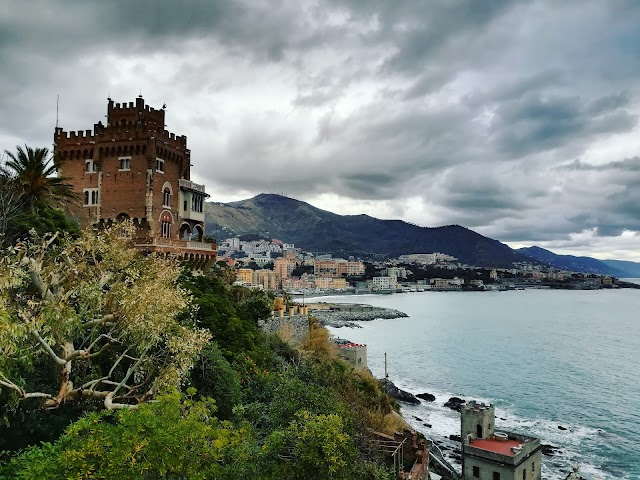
328,274
262,252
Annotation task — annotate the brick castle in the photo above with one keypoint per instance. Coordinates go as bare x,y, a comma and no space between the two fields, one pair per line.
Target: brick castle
133,169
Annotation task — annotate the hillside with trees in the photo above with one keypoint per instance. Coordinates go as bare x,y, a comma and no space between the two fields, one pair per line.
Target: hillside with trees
316,230
114,364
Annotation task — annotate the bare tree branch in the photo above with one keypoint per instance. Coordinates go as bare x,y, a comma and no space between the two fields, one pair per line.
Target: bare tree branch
107,319
47,348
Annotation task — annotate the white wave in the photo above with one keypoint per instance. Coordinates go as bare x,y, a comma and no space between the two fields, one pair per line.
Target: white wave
445,422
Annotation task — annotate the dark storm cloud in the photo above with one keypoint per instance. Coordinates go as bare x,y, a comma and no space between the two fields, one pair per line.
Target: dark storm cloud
534,123
474,109
626,165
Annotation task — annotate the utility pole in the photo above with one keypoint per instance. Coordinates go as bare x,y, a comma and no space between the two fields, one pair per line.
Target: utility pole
386,375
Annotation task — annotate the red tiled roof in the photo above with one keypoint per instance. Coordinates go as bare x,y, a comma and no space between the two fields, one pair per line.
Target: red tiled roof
497,446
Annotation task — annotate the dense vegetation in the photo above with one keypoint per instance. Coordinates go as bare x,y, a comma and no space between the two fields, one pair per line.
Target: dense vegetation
30,195
113,364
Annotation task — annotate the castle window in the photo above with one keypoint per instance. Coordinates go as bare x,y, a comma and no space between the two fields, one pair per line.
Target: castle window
476,472
496,475
90,166
159,165
166,197
91,197
125,163
166,230
524,473
165,225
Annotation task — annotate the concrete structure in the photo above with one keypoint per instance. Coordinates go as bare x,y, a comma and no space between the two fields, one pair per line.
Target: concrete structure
133,169
354,353
491,455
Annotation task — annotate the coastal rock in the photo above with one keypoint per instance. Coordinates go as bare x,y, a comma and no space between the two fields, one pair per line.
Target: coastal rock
560,427
397,393
455,438
428,425
426,397
344,318
549,450
417,418
455,403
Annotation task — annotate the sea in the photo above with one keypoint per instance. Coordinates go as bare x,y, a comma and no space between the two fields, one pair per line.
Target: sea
560,365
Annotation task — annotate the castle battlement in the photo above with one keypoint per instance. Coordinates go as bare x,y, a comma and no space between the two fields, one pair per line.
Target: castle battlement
120,134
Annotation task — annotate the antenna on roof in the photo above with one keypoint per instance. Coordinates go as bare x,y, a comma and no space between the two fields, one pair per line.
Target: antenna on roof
140,96
57,109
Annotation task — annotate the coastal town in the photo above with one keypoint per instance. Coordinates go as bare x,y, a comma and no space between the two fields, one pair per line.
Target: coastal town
133,178
276,265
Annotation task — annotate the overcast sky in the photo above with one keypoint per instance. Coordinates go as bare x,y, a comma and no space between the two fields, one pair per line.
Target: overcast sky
516,119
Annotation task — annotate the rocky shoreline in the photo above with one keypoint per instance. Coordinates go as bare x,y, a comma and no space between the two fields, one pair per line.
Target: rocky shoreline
448,449
344,315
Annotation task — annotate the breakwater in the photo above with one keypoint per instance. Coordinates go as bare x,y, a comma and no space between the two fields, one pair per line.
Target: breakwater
344,315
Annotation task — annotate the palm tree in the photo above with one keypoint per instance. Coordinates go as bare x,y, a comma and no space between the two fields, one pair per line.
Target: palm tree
34,171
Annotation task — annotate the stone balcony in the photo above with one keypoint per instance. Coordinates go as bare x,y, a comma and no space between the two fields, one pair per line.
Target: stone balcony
187,248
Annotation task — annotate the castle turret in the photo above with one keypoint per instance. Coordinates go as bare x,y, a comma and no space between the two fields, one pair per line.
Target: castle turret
477,420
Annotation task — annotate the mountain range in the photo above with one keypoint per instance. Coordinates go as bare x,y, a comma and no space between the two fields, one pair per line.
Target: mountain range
615,268
316,230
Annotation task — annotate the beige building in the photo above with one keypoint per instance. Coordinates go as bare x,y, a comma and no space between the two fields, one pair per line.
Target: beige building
267,279
245,275
488,454
337,267
339,283
283,267
323,283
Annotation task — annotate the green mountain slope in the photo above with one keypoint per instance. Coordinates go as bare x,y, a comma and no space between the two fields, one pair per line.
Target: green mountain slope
316,230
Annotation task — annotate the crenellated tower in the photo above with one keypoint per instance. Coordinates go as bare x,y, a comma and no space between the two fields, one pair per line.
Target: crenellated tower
133,168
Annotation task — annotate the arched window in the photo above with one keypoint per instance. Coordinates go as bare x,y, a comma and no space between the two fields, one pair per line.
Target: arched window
166,195
165,225
479,431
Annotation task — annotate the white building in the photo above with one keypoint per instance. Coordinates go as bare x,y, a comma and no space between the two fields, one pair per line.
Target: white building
384,283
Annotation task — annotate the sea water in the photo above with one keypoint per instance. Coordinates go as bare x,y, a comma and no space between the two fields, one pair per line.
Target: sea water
545,358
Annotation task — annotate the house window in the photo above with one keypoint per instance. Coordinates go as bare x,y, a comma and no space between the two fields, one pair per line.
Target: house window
159,165
90,166
476,472
196,203
185,205
166,197
91,197
496,475
524,473
125,163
